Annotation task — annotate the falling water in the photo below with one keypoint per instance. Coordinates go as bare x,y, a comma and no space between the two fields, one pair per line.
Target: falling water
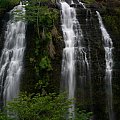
11,60
74,54
108,46
72,2
81,4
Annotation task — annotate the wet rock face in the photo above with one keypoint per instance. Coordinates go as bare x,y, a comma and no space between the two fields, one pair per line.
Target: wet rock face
68,1
29,79
1,35
96,56
3,21
1,45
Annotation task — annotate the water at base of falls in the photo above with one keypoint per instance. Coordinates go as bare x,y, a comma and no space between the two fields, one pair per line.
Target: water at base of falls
74,55
11,61
108,46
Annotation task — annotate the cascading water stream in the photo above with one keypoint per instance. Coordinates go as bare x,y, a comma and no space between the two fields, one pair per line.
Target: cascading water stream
81,4
68,63
74,54
11,61
108,46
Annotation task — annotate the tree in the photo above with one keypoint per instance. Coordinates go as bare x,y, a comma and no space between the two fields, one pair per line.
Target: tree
40,107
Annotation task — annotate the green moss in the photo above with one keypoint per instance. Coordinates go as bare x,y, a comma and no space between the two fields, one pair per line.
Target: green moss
44,19
45,63
113,22
117,11
112,17
5,4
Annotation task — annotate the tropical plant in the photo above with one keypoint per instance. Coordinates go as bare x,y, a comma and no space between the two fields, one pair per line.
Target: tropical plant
41,107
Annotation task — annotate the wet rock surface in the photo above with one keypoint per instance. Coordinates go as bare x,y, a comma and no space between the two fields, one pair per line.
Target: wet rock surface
96,54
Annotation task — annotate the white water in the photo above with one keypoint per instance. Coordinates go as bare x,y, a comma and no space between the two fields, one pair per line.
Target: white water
73,54
72,2
11,61
108,46
81,4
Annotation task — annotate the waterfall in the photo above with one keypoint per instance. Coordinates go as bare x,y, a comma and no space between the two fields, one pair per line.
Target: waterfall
82,4
74,55
11,61
108,46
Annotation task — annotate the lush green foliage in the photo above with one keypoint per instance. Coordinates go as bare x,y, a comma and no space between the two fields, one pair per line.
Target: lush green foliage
6,4
112,18
49,107
113,23
44,19
45,63
4,116
40,107
83,115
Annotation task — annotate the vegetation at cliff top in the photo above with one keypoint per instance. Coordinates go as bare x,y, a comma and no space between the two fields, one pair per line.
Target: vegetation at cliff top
7,4
112,17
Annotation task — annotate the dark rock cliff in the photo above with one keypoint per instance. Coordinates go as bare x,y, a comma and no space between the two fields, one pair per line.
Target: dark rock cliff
96,54
3,23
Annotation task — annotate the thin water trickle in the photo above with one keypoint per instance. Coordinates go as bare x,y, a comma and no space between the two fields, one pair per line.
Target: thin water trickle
11,61
108,46
81,4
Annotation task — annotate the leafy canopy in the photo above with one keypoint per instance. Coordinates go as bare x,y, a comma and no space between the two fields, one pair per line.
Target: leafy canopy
41,107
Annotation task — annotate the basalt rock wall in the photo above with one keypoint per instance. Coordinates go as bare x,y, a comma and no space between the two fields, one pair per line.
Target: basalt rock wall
96,55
